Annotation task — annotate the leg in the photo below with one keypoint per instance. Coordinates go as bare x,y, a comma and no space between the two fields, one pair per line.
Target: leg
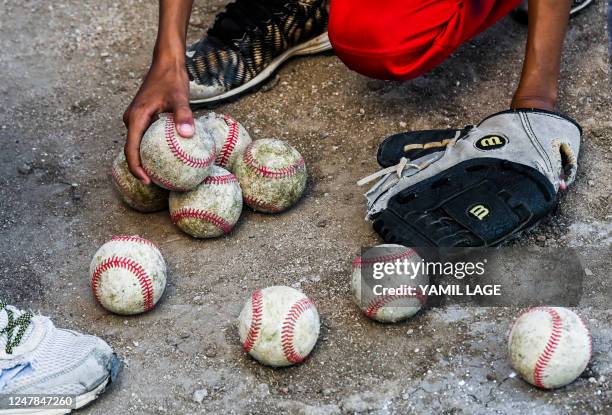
403,39
539,80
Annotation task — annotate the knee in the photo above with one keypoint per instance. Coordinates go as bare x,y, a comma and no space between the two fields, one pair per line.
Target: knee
364,45
348,30
354,39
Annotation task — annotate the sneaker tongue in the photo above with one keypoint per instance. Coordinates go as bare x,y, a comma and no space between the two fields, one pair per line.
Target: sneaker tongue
242,15
4,321
230,28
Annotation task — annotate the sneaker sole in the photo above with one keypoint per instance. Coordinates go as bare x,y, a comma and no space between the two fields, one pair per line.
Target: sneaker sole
312,47
574,11
81,400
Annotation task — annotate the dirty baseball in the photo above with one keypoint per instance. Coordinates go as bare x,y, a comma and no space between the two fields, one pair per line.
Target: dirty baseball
278,326
231,138
133,192
549,347
128,275
211,209
272,175
173,162
369,292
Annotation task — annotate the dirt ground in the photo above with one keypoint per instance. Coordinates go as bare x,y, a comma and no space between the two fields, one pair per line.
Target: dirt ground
70,68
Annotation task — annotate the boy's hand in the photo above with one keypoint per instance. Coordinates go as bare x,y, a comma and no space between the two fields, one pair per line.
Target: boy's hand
164,89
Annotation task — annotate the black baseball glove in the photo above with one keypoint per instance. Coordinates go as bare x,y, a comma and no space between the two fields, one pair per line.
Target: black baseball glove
473,187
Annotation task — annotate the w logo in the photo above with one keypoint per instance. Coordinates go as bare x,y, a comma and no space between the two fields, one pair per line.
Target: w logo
479,212
491,142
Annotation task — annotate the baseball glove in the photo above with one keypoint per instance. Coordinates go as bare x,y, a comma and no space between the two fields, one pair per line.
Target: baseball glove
474,187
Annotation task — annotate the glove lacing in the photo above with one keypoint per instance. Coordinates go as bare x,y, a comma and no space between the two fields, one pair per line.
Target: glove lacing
404,164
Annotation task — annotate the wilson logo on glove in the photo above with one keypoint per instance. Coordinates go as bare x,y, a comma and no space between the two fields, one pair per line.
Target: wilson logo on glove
480,212
491,142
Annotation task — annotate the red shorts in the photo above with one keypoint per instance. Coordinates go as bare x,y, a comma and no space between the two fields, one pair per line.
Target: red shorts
403,39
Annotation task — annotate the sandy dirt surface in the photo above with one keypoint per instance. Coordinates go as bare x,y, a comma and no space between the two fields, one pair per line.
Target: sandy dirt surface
70,68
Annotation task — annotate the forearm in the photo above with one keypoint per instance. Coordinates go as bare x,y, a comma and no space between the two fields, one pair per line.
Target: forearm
166,85
172,32
540,76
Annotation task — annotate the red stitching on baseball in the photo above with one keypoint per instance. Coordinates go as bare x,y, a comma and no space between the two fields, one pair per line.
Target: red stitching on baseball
381,301
269,172
190,213
178,151
230,141
166,184
551,345
589,335
358,262
256,316
119,180
257,203
287,331
225,179
134,238
135,268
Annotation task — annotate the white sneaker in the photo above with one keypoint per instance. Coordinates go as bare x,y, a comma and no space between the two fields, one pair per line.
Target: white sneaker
36,358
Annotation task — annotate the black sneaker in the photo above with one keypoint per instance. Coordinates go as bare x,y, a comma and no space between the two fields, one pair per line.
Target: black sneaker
520,13
249,40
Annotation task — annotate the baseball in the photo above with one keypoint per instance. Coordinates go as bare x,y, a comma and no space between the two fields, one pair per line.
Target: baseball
133,192
231,138
128,275
368,289
272,175
211,209
173,162
278,326
549,347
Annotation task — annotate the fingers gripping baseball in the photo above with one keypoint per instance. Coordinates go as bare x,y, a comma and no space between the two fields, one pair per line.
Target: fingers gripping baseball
164,89
184,120
137,122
